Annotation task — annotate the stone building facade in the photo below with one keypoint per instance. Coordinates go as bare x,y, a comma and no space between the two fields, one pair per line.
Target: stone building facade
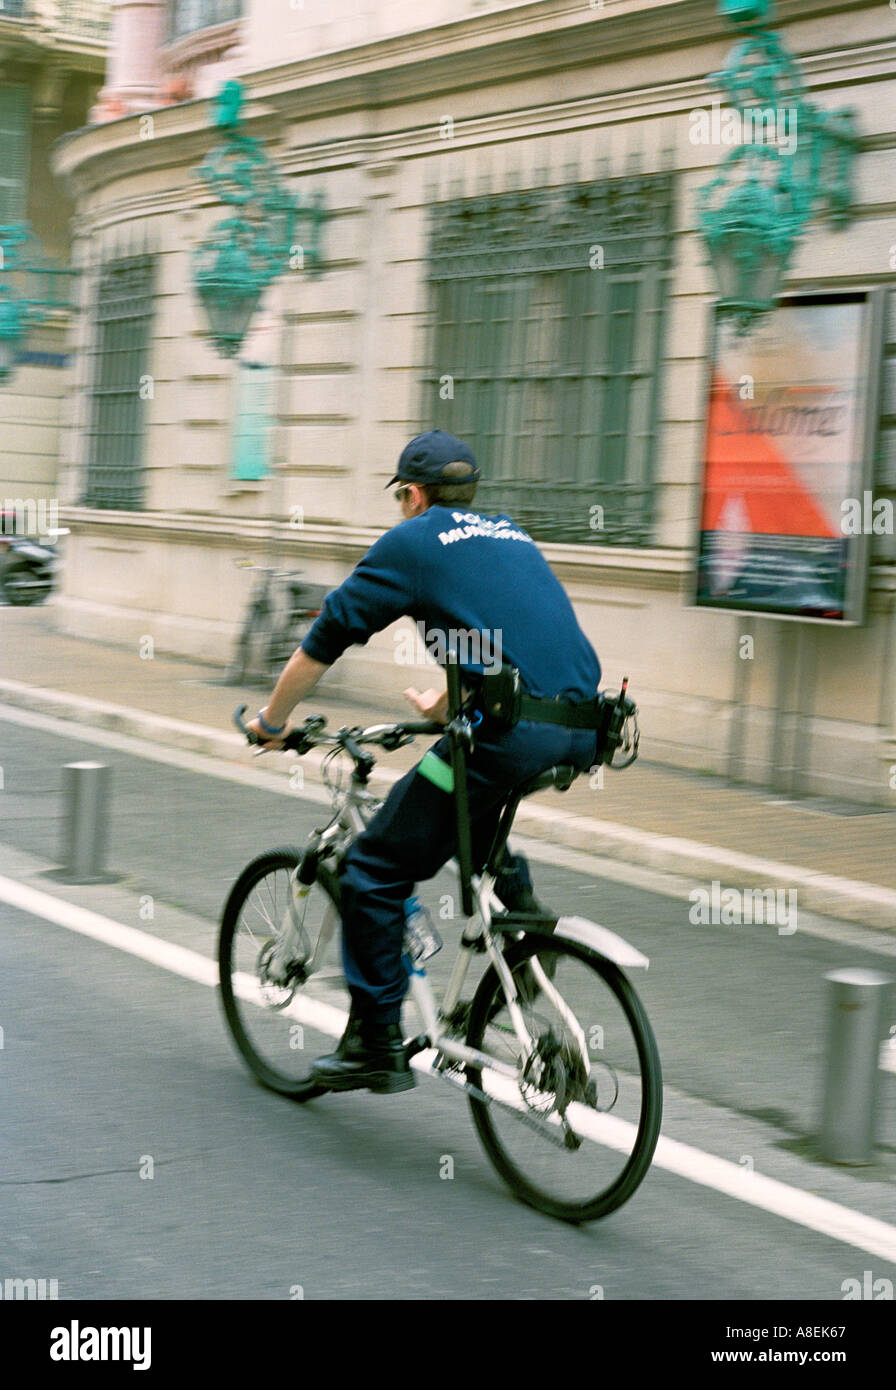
500,180
52,60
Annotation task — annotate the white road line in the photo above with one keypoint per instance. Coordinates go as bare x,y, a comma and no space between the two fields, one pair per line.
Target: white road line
179,959
803,1208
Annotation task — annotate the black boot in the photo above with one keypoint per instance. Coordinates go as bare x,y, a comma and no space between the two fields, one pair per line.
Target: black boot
368,1056
513,885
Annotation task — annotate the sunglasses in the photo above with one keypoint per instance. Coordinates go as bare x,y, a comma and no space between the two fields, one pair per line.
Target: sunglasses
401,492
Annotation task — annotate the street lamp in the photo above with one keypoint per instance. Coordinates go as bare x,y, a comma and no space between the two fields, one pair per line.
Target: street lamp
229,284
22,259
12,330
246,252
752,214
750,234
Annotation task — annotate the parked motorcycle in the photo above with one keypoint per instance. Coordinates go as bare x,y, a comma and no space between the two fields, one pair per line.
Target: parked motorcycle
27,570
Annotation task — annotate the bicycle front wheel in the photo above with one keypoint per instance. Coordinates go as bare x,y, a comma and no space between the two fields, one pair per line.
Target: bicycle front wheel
574,1134
278,1019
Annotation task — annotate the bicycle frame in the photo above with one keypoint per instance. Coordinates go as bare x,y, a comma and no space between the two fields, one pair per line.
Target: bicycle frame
516,1042
352,816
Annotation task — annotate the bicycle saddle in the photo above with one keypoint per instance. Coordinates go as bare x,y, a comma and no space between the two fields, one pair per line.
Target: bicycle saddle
561,776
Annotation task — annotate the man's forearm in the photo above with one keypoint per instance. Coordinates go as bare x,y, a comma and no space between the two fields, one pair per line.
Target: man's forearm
299,676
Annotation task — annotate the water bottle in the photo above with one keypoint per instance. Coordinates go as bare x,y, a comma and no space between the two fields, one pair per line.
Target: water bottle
421,940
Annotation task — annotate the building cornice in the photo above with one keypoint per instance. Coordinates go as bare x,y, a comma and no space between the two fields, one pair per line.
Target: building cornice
550,37
33,39
656,568
554,36
201,44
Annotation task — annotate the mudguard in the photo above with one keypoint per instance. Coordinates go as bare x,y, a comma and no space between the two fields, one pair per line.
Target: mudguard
602,940
580,929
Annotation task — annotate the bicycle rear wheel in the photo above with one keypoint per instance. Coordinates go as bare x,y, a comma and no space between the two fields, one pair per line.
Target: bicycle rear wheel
278,1028
575,1134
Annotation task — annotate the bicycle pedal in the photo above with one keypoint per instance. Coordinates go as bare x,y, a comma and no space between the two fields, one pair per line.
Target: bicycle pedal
390,1082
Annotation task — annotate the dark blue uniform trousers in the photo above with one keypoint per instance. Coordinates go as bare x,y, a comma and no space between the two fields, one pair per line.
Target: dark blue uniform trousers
414,834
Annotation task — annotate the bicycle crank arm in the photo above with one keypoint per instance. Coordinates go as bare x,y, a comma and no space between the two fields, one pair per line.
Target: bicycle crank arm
561,1135
455,1052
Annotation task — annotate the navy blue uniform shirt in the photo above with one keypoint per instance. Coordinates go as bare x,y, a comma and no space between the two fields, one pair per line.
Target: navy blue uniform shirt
459,573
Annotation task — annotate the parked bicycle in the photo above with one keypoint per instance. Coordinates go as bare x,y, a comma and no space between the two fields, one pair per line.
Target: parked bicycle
551,1045
281,610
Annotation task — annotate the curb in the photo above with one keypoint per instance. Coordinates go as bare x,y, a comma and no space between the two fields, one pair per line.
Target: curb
849,900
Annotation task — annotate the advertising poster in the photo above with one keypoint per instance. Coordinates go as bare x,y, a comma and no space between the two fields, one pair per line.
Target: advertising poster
787,462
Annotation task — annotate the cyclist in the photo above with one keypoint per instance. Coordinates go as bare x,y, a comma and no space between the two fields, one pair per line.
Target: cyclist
463,575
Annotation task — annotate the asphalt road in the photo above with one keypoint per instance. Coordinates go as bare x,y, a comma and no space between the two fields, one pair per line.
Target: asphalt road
112,1068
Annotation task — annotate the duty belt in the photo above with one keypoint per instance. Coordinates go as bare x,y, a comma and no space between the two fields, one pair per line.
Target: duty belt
586,715
504,702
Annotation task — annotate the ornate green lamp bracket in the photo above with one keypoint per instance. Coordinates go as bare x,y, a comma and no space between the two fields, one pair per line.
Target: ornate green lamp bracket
30,288
795,165
268,232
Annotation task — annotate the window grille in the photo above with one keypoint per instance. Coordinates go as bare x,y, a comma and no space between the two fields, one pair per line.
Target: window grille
189,16
85,19
120,384
547,313
15,114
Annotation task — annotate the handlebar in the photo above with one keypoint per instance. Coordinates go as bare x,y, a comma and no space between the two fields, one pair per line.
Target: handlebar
310,735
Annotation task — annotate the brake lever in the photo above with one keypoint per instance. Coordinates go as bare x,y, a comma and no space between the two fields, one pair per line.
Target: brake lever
296,741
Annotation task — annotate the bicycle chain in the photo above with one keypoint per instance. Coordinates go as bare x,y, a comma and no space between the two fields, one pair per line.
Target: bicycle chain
567,1140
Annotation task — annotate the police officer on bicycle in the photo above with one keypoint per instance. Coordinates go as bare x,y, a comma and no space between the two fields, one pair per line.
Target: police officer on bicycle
459,574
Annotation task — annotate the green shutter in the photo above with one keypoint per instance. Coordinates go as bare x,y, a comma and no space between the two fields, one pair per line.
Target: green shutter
15,111
252,423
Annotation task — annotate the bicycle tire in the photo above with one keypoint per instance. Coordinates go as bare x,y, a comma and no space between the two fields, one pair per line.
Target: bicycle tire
254,643
25,596
240,665
489,998
272,862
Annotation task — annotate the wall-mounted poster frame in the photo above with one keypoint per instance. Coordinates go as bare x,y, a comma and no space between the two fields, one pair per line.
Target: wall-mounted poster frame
785,508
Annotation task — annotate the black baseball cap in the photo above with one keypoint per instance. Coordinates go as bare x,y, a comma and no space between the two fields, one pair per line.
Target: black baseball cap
423,460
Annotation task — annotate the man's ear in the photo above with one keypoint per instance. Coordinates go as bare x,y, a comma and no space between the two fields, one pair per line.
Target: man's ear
419,497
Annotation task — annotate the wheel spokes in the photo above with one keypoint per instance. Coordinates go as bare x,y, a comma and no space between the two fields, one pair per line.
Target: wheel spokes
581,1083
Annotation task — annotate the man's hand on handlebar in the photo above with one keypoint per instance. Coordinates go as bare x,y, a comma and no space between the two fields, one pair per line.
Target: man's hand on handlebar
266,743
432,704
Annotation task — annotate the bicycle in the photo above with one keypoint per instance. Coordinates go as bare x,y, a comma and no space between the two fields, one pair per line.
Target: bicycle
553,1048
282,609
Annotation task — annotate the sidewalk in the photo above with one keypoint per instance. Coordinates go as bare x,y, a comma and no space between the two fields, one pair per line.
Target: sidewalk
685,823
